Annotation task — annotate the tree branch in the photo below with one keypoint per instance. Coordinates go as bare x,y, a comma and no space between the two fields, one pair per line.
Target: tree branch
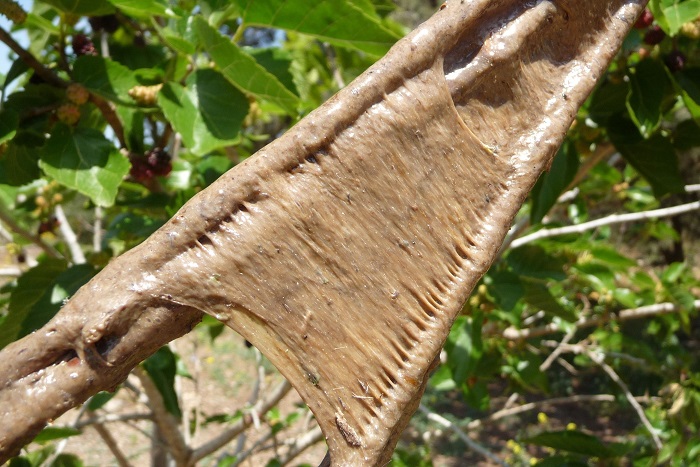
634,313
599,358
35,239
262,407
166,422
69,236
45,74
609,220
473,445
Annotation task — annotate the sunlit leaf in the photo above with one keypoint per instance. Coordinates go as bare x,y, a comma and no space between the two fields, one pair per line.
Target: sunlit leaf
680,13
208,111
105,77
83,7
242,70
84,160
339,22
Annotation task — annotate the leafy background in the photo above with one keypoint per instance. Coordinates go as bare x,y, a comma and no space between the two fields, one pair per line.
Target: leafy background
577,348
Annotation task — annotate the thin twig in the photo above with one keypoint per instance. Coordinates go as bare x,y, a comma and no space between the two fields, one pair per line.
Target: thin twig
509,412
69,236
112,444
462,435
45,74
262,407
599,358
624,315
35,239
112,418
301,444
609,220
558,350
97,230
165,421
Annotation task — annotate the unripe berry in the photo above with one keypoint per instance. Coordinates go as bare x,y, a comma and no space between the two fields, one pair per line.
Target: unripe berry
654,35
644,20
68,114
77,94
145,95
691,29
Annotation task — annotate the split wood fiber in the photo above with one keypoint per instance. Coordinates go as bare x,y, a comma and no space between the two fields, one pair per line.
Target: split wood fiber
345,249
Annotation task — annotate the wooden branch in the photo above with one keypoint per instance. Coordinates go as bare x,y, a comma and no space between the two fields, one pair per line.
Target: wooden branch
43,72
473,445
608,220
634,313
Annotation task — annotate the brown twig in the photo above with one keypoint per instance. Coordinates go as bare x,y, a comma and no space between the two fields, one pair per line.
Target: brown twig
22,232
167,424
45,73
262,407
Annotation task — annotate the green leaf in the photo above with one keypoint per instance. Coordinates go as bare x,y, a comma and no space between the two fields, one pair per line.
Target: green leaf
553,183
67,460
84,160
19,164
9,122
162,367
575,442
686,135
339,22
100,399
278,62
681,13
654,158
83,7
143,9
538,295
18,68
689,81
648,84
51,433
533,261
465,347
242,70
105,77
507,289
609,99
208,112
32,286
612,257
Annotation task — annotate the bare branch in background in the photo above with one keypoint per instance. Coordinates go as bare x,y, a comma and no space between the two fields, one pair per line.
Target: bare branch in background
634,313
599,358
69,236
473,445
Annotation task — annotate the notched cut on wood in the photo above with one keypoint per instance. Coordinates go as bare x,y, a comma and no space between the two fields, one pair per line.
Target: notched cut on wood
345,249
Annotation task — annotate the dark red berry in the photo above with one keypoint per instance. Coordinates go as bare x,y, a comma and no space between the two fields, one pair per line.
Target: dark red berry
48,225
82,45
107,23
159,160
644,20
156,162
675,61
654,35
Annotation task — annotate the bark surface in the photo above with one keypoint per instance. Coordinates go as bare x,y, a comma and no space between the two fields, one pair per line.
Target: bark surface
345,249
